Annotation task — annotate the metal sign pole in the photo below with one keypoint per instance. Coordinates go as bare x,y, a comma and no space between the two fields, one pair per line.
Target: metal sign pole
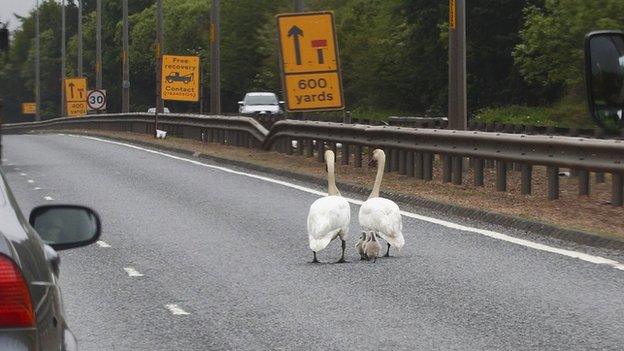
125,84
457,103
79,39
98,46
37,68
63,67
215,58
298,7
160,39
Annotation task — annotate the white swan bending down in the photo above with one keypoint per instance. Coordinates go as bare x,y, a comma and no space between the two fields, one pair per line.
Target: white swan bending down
380,215
329,216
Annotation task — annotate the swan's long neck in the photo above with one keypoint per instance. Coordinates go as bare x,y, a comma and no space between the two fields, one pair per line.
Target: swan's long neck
381,164
332,189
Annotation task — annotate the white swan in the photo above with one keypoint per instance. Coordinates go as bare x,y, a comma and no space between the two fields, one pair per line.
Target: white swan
381,215
329,216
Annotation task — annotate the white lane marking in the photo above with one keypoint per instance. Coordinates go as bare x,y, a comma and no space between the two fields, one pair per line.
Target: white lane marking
102,243
30,181
48,198
23,174
37,188
17,169
176,310
492,234
132,272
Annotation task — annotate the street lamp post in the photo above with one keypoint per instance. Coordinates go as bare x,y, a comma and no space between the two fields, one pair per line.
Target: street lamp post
63,54
215,62
125,84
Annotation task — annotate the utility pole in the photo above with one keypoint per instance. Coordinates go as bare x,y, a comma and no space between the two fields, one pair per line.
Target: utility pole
37,72
125,84
160,43
63,53
215,64
98,45
298,7
457,109
79,38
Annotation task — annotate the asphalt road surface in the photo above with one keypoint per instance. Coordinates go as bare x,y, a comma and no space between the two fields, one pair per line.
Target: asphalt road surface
194,257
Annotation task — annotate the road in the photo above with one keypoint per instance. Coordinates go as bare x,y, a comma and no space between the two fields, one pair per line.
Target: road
195,257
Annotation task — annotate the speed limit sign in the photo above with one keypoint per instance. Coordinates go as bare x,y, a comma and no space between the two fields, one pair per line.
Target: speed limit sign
96,100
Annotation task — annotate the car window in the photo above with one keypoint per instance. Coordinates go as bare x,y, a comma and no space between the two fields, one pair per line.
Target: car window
261,100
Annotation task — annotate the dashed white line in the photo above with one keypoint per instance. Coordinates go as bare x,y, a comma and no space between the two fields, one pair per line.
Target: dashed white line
37,188
23,174
176,310
102,243
132,272
30,181
48,198
492,234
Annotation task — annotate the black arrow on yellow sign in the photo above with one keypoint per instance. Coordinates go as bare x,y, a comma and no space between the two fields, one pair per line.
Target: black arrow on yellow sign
71,89
295,32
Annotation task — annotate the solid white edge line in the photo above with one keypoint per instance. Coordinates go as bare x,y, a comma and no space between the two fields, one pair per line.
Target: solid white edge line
492,234
102,243
176,310
132,272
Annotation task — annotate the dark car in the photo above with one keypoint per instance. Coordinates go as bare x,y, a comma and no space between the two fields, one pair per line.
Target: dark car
31,308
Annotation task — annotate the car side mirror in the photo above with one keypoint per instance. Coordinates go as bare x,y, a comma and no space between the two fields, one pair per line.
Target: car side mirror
66,226
604,76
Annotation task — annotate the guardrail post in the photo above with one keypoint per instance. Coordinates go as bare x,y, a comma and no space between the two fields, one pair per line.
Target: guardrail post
501,175
526,179
428,166
410,163
309,148
617,195
478,164
300,147
334,147
358,156
552,174
320,148
394,157
345,154
402,162
599,134
446,168
583,179
457,174
419,165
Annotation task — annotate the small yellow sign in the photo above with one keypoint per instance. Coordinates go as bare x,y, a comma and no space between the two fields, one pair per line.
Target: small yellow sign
180,78
76,89
76,108
313,91
29,108
310,62
453,14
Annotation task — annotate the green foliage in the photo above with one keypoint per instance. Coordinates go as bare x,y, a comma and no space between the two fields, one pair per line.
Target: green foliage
562,114
551,50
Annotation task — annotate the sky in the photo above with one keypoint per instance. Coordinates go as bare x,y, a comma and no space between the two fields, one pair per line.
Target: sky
9,7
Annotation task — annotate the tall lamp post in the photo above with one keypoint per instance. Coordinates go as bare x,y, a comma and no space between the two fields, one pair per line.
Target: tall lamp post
215,58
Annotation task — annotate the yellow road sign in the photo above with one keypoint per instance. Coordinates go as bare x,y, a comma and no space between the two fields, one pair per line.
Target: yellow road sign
76,89
180,78
308,42
76,108
312,91
310,61
29,108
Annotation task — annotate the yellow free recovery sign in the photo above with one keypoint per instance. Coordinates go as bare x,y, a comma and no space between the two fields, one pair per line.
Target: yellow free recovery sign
180,78
76,96
310,65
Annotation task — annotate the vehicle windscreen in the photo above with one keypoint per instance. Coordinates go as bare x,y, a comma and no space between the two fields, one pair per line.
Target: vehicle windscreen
260,100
